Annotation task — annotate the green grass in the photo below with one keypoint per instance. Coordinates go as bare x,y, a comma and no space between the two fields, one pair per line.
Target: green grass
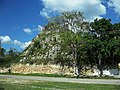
57,75
36,74
55,86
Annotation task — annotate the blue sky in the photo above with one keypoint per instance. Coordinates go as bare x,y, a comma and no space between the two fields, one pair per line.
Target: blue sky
22,20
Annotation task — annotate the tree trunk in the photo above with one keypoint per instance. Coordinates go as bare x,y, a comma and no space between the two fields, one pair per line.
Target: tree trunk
76,72
100,68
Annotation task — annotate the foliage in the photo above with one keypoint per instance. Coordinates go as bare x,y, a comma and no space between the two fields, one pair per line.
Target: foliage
9,57
73,32
107,43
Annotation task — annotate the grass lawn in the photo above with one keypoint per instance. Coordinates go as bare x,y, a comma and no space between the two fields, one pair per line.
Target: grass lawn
56,75
15,84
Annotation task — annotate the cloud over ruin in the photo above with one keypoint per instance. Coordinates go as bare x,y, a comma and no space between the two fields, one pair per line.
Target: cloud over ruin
91,8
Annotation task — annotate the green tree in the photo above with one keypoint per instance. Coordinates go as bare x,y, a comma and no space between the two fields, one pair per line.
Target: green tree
74,30
106,43
114,45
2,52
2,56
12,56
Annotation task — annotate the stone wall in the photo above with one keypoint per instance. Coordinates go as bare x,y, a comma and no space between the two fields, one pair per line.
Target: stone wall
56,69
4,70
43,69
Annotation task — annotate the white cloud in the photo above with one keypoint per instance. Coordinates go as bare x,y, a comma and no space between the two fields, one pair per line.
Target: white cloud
40,28
16,42
44,13
27,30
26,44
30,31
115,4
91,8
5,39
21,44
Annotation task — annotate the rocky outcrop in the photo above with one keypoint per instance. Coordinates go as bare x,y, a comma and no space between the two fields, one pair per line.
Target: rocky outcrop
44,46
